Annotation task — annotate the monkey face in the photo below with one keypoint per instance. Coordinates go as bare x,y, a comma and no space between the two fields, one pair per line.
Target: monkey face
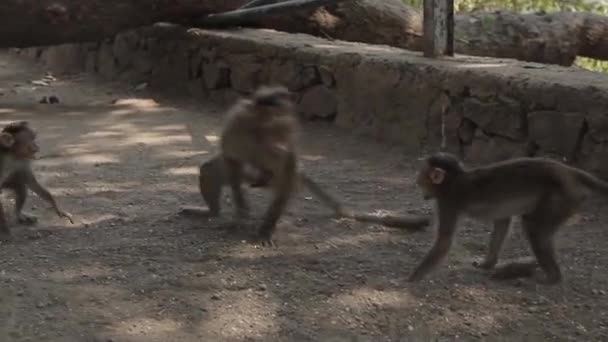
24,146
274,100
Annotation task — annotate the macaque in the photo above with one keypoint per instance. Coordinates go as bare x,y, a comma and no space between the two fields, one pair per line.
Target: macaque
248,138
213,177
544,193
17,150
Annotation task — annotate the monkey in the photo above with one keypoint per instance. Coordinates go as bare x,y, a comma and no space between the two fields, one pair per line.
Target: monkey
543,192
260,131
247,139
18,148
213,177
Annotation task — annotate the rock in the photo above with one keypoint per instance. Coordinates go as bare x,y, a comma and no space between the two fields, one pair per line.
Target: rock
327,77
486,149
555,132
90,64
64,58
598,125
123,49
216,75
141,86
282,72
466,131
495,117
195,68
318,102
307,77
105,61
244,73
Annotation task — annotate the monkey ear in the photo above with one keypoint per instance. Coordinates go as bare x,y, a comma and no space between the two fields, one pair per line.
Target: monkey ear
6,140
437,175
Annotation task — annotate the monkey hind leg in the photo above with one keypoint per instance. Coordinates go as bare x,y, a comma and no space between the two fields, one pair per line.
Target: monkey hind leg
262,180
497,238
544,251
235,178
283,191
540,227
211,191
20,190
5,232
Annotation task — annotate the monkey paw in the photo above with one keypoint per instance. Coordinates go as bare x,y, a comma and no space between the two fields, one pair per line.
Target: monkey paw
415,277
484,265
264,241
549,280
26,219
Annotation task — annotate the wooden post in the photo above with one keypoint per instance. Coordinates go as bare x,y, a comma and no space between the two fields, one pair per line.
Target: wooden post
438,28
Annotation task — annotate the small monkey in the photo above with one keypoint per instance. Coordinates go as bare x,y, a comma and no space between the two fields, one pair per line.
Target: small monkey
543,192
17,149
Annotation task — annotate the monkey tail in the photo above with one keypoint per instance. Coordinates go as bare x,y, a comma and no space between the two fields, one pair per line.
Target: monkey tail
592,182
413,223
316,190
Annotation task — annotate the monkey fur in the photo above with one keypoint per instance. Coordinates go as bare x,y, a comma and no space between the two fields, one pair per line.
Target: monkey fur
17,150
261,131
543,192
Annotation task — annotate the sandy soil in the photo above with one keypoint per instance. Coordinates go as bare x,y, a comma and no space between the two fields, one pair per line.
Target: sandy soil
132,269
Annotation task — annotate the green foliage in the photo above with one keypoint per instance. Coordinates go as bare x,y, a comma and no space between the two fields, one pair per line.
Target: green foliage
524,6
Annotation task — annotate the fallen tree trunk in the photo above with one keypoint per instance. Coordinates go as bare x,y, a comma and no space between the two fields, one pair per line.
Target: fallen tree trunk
555,38
28,23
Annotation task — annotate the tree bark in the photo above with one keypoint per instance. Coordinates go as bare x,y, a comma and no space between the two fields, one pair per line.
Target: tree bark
26,23
555,38
552,38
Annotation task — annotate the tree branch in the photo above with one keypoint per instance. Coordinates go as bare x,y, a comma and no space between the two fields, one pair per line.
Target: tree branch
258,3
244,16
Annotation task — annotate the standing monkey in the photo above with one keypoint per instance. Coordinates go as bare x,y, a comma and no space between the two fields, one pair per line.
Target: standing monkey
543,192
17,150
261,131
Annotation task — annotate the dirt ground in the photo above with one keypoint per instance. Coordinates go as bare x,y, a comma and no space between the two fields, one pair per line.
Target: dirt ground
132,269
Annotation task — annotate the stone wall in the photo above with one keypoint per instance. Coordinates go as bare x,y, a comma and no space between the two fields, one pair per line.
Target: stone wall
486,109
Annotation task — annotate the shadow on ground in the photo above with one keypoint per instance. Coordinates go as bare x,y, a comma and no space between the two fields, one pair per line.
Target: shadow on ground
131,269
